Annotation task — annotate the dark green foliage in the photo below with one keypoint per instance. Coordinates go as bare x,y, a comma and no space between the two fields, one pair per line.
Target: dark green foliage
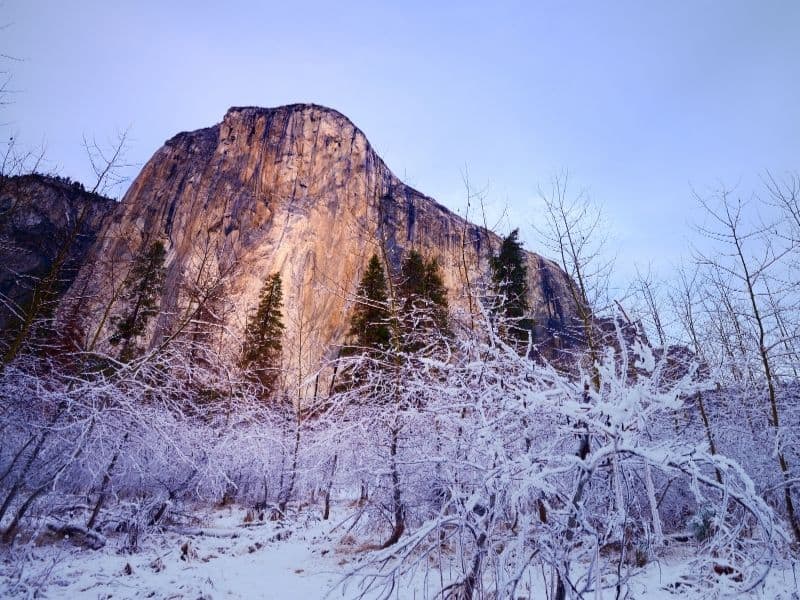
141,291
509,276
264,335
423,295
510,285
369,325
391,335
417,320
421,306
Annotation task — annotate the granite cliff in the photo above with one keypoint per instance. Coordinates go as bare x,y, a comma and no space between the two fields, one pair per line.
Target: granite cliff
296,189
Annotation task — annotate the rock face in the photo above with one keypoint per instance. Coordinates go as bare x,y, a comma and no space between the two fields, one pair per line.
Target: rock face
299,190
43,220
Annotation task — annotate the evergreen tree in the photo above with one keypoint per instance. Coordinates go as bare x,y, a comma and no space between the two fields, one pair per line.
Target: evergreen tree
141,290
510,284
263,335
435,291
369,325
424,299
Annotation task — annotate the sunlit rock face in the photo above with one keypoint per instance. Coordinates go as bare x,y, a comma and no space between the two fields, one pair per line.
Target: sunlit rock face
43,221
296,189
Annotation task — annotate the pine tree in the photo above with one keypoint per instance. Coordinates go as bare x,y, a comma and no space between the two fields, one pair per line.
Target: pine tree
424,308
369,325
264,335
435,290
510,285
142,288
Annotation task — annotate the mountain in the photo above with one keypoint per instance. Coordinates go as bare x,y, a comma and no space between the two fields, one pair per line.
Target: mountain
295,189
47,226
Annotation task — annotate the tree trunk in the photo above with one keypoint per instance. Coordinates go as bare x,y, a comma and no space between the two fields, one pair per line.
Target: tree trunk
101,498
399,509
287,495
327,511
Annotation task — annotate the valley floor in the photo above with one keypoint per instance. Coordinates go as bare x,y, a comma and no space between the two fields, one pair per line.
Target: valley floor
227,557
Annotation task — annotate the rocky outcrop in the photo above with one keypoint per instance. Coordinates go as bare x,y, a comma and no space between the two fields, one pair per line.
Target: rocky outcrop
299,190
47,226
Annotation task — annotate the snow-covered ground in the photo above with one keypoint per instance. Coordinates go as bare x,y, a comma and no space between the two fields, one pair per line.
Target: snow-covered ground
227,557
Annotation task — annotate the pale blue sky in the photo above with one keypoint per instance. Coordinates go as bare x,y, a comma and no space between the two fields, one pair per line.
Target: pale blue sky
639,100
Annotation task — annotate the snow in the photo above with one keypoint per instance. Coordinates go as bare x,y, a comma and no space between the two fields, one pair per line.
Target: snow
228,558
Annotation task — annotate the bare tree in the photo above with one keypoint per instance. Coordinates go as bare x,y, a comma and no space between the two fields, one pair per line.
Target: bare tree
648,291
108,162
487,516
572,231
748,272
